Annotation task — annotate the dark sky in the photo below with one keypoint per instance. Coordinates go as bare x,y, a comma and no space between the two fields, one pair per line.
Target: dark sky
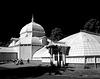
69,17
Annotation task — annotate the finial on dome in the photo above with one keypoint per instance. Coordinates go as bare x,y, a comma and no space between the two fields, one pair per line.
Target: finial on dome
32,18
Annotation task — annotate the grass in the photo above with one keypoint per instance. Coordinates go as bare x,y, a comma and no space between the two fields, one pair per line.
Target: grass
34,71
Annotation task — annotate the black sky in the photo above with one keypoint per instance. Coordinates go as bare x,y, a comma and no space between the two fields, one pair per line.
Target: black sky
69,17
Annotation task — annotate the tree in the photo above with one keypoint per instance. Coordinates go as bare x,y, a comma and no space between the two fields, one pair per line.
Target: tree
56,34
92,25
5,44
2,44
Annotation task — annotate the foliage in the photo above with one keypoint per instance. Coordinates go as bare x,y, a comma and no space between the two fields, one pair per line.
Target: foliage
2,44
56,34
93,25
5,44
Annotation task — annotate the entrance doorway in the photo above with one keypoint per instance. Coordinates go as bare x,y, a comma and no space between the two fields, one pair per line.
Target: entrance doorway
58,54
58,59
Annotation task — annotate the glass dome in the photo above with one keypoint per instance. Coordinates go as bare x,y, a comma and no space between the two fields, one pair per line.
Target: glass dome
32,29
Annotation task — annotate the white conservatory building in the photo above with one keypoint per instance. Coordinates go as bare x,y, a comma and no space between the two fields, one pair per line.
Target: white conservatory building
77,50
32,38
84,49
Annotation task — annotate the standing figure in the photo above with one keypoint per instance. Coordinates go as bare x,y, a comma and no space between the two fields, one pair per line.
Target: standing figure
28,61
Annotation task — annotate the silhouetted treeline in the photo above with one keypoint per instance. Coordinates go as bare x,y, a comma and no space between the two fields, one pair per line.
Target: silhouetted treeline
93,25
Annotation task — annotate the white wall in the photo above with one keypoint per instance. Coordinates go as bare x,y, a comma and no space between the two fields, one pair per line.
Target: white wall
82,60
46,60
75,60
98,60
25,52
90,60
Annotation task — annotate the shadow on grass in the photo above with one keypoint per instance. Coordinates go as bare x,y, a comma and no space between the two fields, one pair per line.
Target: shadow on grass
26,72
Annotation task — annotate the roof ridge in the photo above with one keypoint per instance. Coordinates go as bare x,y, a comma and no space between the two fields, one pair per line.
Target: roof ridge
90,32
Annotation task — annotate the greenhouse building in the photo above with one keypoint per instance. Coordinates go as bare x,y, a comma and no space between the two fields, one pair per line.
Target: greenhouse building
84,49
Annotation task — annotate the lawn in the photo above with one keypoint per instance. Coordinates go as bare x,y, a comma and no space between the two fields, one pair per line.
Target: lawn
32,71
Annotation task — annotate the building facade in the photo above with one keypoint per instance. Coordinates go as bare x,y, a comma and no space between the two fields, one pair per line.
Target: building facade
77,50
32,38
84,49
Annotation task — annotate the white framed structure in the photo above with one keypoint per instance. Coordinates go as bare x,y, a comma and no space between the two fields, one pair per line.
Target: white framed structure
7,54
84,49
32,38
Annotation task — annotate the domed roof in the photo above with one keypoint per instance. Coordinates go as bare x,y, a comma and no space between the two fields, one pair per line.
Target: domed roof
33,27
83,44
